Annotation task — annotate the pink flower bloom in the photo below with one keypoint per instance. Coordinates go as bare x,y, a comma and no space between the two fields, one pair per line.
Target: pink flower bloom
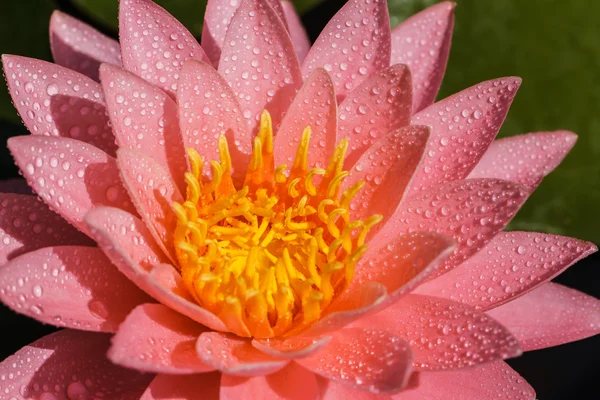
375,266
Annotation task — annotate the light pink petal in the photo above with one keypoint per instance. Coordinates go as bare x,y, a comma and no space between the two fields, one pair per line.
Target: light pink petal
71,176
233,355
16,185
491,381
368,359
472,212
68,365
386,169
156,339
153,193
297,31
550,315
27,224
184,387
293,347
335,391
77,46
144,118
380,105
290,383
423,43
55,101
462,128
512,264
315,106
444,334
525,158
355,44
154,44
259,62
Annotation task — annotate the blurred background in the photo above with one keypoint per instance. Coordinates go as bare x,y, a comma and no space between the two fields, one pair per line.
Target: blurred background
554,45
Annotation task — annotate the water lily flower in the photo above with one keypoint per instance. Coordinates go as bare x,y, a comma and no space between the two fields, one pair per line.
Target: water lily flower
255,217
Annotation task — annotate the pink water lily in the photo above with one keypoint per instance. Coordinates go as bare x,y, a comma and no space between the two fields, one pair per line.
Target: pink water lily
255,217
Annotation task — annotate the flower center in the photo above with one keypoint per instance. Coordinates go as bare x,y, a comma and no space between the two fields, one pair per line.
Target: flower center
269,258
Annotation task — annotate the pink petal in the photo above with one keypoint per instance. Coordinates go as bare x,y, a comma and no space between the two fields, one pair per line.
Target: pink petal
77,46
70,286
336,391
67,365
144,118
423,42
155,338
386,169
153,193
512,264
462,128
72,177
550,315
27,224
494,380
297,31
235,356
472,211
355,44
380,105
154,44
315,106
184,387
257,45
55,101
444,334
293,347
16,185
290,383
525,158
373,360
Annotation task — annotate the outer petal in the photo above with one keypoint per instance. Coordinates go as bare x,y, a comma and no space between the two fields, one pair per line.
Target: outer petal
259,62
373,360
512,264
315,106
423,43
235,356
290,383
66,365
184,387
549,316
485,382
380,105
70,176
334,391
444,334
77,46
462,127
525,158
55,101
293,347
155,338
154,44
355,44
297,31
144,118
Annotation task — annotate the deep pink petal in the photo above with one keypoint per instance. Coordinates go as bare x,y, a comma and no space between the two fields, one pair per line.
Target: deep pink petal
315,106
444,334
184,387
259,62
144,118
525,158
293,347
491,381
233,355
56,101
462,128
71,176
78,46
297,32
290,383
355,44
373,360
15,185
155,338
380,105
512,264
550,315
154,45
423,43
